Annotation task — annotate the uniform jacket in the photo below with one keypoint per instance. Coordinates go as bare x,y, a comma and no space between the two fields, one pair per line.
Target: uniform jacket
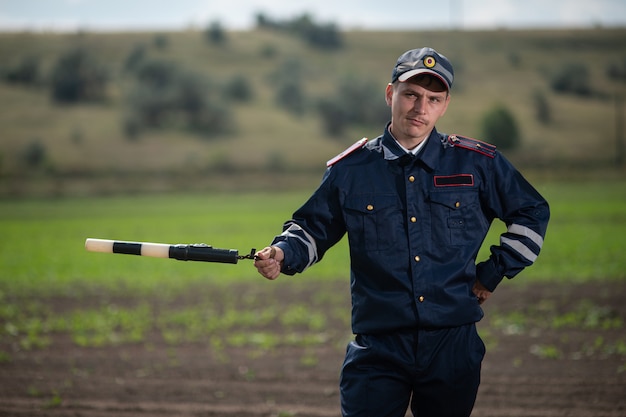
415,225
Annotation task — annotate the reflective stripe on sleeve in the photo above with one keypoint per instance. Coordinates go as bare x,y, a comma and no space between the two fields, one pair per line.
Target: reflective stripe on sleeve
520,248
518,229
297,232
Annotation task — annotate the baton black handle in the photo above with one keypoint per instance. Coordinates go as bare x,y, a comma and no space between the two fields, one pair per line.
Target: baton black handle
203,253
182,252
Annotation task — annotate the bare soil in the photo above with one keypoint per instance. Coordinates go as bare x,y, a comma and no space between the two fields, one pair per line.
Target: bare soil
536,365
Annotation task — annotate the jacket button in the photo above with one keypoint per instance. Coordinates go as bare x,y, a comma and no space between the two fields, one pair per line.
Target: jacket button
457,204
411,178
370,207
417,259
413,219
421,298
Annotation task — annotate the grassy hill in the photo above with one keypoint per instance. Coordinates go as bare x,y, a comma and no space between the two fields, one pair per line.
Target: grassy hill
86,150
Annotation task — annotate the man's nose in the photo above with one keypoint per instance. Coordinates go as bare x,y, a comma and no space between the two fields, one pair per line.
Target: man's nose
419,105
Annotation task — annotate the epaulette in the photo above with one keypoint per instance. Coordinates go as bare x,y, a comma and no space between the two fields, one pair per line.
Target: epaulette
475,145
357,145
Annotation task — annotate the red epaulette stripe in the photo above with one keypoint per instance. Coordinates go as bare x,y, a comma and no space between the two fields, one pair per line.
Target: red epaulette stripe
357,145
475,145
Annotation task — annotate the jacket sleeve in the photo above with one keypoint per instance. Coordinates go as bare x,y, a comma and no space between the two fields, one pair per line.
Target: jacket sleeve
313,229
525,213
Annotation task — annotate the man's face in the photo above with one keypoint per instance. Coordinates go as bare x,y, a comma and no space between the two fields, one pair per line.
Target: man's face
416,105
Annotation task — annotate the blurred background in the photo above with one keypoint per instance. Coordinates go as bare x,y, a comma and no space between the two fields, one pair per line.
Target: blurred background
103,97
204,121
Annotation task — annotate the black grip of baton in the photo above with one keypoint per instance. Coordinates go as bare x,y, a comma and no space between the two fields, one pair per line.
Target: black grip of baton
204,253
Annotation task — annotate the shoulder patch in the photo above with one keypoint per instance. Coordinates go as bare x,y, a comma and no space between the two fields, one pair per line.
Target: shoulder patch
475,145
357,145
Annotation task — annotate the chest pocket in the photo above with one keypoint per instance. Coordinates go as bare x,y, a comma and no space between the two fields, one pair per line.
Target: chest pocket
457,218
373,221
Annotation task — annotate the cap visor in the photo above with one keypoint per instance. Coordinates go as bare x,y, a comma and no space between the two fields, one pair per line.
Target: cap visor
410,74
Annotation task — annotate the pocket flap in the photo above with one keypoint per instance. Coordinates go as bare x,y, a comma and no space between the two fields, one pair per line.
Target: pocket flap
370,204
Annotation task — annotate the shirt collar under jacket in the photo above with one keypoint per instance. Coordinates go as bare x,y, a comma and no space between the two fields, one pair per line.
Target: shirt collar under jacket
415,150
392,150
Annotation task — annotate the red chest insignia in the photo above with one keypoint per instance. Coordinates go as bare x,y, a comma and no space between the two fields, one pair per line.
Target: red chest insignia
458,180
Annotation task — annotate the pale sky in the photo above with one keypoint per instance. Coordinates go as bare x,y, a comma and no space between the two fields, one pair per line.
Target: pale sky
63,15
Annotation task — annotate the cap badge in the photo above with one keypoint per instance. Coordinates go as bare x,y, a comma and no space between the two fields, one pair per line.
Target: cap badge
429,62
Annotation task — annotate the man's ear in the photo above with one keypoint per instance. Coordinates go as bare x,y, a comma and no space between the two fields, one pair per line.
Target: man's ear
389,94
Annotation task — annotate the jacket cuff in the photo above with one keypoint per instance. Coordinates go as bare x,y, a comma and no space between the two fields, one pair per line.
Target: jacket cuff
488,275
286,268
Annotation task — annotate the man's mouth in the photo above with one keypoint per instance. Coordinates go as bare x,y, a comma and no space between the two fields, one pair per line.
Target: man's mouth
417,122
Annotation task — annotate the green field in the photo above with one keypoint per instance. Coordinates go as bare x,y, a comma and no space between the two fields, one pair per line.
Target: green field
51,286
42,252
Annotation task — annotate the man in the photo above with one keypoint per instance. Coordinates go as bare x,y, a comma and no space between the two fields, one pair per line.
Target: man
416,205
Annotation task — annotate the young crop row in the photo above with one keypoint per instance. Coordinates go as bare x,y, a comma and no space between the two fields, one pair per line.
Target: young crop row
224,320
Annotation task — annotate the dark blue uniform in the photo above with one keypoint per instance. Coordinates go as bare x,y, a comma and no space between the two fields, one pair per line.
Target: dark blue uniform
415,225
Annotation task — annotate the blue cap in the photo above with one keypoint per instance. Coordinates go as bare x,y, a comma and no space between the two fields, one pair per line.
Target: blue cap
423,61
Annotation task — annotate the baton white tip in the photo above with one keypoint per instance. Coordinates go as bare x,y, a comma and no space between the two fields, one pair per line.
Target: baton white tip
99,245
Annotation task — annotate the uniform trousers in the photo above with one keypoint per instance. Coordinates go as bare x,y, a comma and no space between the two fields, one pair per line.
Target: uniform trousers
436,371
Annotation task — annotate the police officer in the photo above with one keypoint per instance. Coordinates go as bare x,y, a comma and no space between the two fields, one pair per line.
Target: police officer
416,205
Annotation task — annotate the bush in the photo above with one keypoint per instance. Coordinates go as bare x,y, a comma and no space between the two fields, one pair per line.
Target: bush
239,89
323,36
131,127
334,118
514,59
356,102
214,118
572,78
135,57
216,34
499,128
160,41
152,95
289,91
164,95
26,71
543,113
77,76
290,96
616,70
269,51
34,154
